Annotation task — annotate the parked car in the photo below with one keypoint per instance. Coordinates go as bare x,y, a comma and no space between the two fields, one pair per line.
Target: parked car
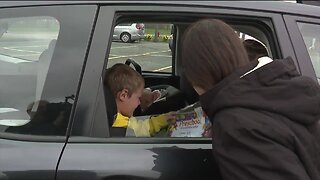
54,109
128,32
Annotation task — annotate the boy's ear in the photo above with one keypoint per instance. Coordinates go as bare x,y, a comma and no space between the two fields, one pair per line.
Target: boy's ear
123,95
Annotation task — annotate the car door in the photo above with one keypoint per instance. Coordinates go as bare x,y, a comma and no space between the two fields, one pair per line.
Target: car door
41,57
304,34
92,154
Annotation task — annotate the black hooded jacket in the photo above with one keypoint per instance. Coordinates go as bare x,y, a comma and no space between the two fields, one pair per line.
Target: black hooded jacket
266,123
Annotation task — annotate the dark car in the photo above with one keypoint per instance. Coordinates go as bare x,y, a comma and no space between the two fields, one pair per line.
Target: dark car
55,113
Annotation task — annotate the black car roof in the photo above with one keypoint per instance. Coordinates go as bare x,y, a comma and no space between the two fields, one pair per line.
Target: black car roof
266,6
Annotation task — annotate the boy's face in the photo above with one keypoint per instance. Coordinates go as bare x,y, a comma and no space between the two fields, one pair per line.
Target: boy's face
127,104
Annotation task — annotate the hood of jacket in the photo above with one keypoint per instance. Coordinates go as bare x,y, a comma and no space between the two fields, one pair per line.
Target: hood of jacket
275,87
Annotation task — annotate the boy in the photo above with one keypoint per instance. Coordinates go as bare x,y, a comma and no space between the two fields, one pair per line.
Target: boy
127,87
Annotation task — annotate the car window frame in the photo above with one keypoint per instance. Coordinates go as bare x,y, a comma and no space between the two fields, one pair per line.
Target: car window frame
94,121
305,63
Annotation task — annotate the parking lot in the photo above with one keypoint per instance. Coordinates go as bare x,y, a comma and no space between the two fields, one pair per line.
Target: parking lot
22,47
154,56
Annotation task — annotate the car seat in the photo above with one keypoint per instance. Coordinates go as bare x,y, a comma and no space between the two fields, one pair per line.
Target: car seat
112,112
43,67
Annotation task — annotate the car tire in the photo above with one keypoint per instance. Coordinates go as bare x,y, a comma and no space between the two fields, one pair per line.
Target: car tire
125,37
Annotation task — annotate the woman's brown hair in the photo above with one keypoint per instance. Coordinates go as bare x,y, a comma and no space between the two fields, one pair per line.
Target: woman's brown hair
211,50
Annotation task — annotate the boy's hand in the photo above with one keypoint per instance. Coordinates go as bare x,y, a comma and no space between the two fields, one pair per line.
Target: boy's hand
155,95
171,116
148,97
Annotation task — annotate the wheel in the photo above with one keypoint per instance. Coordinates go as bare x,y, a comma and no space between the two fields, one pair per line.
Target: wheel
125,37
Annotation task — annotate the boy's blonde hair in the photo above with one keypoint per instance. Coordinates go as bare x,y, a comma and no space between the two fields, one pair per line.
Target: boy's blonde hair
121,76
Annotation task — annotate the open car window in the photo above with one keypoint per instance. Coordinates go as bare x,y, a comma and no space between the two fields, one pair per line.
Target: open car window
155,53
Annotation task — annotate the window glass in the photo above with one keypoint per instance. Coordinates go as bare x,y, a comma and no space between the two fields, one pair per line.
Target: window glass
146,43
26,48
311,37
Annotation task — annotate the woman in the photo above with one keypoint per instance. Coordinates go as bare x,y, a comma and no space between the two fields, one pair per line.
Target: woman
265,117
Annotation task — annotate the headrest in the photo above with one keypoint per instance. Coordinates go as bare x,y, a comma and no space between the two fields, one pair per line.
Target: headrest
110,105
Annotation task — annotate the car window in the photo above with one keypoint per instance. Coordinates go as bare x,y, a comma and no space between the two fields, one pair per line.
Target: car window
27,45
148,44
311,37
152,54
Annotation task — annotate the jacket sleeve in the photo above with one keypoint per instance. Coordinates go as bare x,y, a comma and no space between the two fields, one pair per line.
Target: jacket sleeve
140,127
147,127
157,123
251,145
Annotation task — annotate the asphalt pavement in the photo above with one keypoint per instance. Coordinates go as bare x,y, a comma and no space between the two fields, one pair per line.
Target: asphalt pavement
152,56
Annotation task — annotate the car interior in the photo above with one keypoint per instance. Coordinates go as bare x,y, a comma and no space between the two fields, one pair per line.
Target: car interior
179,92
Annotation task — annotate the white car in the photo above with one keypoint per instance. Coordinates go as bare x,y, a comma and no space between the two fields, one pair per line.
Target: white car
128,32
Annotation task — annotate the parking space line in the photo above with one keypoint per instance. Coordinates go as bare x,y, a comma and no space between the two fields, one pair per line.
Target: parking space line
159,55
22,55
20,50
161,69
122,47
136,55
14,47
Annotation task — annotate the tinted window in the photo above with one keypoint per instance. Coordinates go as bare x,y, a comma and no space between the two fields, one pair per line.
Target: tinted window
27,46
311,37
